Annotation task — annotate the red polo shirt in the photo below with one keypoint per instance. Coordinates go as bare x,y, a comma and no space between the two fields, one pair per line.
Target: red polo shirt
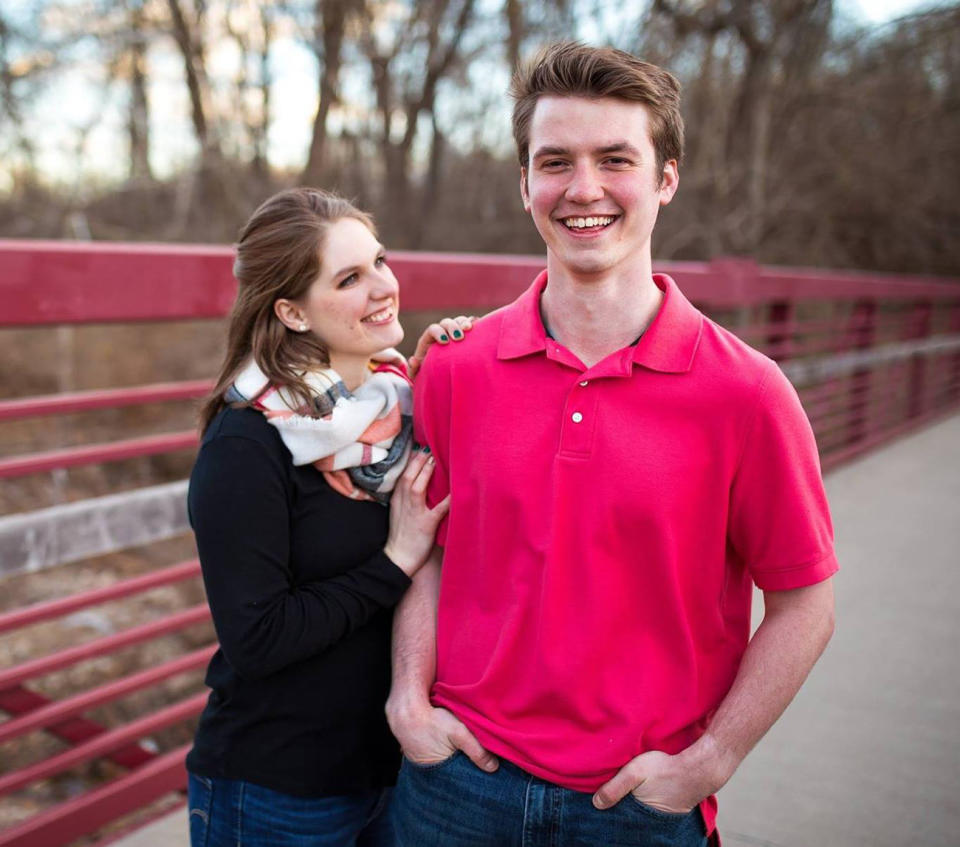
606,527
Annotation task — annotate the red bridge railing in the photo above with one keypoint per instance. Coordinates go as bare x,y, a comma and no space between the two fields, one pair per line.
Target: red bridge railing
871,355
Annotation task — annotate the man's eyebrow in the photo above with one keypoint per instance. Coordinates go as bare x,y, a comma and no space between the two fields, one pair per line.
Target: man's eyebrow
549,151
616,147
620,147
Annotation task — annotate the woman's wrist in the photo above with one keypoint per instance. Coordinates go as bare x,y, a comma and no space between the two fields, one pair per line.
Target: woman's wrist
403,560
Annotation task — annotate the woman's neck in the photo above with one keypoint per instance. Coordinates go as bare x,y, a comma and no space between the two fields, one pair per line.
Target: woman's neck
353,370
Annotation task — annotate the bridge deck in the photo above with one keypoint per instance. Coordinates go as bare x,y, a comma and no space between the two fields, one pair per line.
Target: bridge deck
868,755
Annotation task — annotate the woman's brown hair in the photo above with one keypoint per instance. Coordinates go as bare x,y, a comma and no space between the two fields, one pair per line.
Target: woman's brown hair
278,256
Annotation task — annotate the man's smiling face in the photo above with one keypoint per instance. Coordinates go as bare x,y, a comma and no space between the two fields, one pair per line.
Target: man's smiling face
591,182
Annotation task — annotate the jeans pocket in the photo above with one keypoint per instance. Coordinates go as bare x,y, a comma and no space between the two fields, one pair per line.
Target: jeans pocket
199,802
432,766
658,814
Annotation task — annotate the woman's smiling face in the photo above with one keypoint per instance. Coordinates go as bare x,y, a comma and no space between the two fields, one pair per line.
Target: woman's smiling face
352,306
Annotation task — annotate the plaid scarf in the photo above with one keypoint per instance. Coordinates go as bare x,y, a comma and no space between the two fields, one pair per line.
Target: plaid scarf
359,439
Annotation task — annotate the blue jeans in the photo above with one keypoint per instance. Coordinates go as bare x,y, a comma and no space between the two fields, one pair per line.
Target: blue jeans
455,804
231,813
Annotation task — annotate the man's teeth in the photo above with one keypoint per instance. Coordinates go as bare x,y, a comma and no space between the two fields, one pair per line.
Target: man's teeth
584,223
380,317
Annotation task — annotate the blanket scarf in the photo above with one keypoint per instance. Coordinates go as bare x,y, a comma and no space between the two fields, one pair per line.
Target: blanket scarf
360,440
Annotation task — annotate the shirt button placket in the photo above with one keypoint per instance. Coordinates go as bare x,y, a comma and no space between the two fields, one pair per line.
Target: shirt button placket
578,419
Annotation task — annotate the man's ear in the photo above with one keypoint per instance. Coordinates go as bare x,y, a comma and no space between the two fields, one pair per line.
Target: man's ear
669,182
290,315
524,189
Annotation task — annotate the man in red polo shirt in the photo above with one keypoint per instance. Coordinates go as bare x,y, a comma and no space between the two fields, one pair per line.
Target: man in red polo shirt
622,471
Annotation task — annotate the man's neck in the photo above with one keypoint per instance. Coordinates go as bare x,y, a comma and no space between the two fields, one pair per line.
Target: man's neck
596,316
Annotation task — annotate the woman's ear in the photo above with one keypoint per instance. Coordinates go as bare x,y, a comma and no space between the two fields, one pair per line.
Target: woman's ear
290,315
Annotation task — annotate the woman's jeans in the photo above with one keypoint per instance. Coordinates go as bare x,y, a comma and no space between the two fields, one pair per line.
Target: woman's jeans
231,813
455,804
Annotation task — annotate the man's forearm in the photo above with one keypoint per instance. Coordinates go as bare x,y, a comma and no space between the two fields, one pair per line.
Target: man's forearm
426,734
796,627
415,640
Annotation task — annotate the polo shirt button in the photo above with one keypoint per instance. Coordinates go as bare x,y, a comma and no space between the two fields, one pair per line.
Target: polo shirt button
584,383
576,417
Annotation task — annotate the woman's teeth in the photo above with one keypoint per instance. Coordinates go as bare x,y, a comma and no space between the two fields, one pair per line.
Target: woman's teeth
381,317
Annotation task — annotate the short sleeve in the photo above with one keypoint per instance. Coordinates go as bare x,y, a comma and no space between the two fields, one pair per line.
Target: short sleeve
431,426
779,518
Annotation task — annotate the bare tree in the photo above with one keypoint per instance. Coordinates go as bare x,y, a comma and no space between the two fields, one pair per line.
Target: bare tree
252,27
410,57
187,28
331,20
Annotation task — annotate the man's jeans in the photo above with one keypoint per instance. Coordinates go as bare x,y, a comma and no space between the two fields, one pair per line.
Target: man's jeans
231,813
455,804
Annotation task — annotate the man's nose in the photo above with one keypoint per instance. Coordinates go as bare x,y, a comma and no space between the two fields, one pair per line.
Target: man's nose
585,185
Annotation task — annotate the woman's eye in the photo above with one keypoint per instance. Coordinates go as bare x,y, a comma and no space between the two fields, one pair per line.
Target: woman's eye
348,281
380,261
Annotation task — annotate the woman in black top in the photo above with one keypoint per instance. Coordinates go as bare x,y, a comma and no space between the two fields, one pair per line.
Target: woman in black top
305,439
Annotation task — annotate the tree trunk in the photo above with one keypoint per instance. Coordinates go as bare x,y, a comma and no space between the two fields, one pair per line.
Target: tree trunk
139,117
331,17
197,85
513,11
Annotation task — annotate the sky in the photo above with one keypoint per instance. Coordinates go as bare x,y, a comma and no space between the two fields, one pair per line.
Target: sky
80,100
877,11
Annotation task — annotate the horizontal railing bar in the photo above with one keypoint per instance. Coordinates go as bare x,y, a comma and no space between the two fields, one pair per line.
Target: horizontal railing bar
851,451
814,370
18,701
832,433
136,585
63,709
92,454
68,532
125,282
82,815
101,646
107,398
103,743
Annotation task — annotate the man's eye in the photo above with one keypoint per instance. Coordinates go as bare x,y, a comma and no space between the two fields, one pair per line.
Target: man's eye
348,281
553,164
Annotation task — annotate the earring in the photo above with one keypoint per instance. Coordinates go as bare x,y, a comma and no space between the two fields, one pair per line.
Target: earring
302,327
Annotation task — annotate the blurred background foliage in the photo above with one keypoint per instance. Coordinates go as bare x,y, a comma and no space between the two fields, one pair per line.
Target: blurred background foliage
811,139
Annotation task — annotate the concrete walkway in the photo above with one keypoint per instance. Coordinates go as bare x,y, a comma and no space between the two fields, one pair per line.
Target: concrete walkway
869,752
868,755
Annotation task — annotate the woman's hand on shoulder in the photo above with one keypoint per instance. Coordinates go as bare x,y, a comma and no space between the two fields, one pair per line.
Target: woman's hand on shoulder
442,332
413,525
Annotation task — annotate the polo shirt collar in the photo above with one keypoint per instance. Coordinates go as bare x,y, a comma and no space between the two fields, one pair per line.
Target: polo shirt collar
668,345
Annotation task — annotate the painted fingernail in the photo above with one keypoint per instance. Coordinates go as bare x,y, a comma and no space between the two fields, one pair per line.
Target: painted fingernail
444,339
457,334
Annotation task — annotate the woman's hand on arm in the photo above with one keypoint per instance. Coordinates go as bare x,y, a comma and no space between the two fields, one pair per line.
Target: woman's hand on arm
442,332
413,524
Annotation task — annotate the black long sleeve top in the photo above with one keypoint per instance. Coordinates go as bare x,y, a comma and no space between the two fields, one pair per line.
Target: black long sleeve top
302,599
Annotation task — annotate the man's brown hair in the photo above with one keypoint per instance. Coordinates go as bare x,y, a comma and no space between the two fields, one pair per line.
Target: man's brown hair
571,69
